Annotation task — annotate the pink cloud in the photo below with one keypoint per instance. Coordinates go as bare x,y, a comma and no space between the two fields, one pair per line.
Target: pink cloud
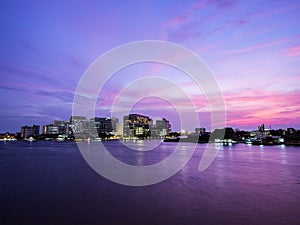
178,20
199,5
270,107
183,27
252,48
265,45
240,21
294,51
184,17
245,108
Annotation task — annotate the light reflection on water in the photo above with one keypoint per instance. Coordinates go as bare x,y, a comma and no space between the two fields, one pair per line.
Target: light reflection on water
283,154
49,182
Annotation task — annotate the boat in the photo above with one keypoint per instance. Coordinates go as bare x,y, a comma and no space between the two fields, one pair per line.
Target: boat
268,140
8,139
224,142
61,138
31,139
171,139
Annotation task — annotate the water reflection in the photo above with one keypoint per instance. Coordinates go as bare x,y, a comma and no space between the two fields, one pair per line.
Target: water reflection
261,147
250,153
247,184
283,154
140,159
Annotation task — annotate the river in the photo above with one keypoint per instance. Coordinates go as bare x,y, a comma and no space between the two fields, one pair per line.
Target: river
50,183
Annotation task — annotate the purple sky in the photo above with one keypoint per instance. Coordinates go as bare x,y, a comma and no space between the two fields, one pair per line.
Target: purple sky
252,47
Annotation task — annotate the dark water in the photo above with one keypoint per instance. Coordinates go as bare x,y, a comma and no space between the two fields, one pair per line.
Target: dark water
50,183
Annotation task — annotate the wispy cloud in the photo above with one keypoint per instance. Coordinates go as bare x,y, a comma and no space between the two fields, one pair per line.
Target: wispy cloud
272,43
65,96
239,21
188,25
252,48
29,74
254,107
178,20
294,51
13,88
225,4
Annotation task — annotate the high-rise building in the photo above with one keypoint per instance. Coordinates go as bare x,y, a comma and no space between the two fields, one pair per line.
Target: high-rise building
200,130
126,127
137,125
58,127
163,127
103,125
50,129
119,129
64,127
79,124
30,131
114,122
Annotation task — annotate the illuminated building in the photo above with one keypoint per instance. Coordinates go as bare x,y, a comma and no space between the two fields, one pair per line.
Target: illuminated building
30,131
137,125
79,124
163,127
50,129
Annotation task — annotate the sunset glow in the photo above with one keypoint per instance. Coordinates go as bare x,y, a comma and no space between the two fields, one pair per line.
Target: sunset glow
252,48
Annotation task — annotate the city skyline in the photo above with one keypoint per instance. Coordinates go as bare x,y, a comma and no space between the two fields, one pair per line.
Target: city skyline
114,121
253,49
140,127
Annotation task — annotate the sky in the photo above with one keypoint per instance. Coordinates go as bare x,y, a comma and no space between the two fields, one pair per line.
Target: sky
251,47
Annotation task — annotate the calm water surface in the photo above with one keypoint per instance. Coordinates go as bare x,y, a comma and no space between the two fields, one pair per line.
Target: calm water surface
50,183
